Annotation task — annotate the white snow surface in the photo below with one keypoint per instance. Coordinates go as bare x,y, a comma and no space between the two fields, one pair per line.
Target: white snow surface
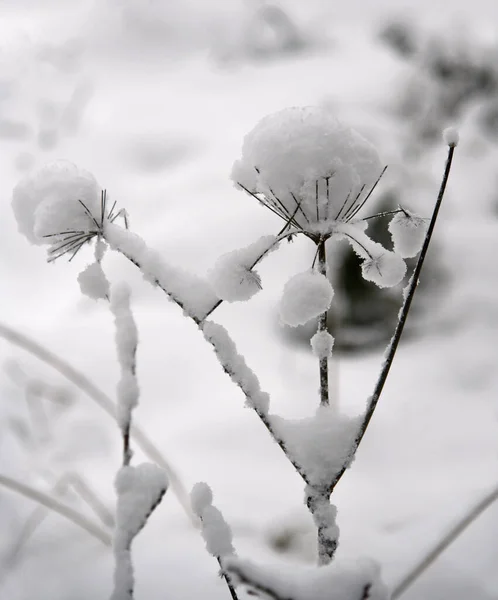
304,157
50,201
337,581
304,297
408,232
201,496
321,445
233,277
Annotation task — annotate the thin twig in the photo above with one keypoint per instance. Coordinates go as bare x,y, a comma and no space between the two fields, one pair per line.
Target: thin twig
446,541
322,326
66,511
393,345
83,383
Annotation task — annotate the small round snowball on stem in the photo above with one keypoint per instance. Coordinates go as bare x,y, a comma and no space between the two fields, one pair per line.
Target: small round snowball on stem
451,137
305,296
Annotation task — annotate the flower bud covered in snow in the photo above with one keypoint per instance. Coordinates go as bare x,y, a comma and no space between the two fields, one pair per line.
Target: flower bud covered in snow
407,232
305,296
306,166
93,282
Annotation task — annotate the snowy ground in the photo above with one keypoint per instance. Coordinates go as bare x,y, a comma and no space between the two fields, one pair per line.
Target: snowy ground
160,129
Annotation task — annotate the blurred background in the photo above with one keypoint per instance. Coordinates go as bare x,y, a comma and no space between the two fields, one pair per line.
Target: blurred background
154,97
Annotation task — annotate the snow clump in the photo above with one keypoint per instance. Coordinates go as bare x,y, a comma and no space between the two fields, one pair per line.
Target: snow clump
233,278
340,580
305,296
408,233
322,343
215,530
59,198
307,166
451,136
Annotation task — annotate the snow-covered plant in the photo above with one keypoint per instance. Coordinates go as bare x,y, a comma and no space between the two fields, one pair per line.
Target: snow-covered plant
316,175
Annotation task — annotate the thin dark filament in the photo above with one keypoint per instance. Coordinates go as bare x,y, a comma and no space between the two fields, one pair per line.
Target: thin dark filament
270,206
63,233
79,248
353,204
89,213
315,258
69,247
342,207
384,214
359,244
316,199
109,216
355,212
68,243
299,206
103,202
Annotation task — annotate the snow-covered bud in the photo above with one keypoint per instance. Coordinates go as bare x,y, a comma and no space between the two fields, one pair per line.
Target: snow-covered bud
305,296
451,136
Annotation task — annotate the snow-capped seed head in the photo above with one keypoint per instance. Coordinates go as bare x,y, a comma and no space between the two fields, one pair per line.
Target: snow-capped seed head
385,269
50,201
451,136
305,296
201,496
306,166
408,233
322,343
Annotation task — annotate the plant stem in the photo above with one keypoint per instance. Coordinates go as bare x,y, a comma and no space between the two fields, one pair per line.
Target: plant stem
322,326
393,345
446,541
83,383
56,506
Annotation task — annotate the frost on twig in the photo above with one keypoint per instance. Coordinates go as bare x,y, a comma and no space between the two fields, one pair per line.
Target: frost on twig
139,491
359,580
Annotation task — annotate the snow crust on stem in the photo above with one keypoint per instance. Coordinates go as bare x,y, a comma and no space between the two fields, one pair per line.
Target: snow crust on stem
235,365
322,344
139,491
192,293
233,277
126,345
215,530
351,580
321,445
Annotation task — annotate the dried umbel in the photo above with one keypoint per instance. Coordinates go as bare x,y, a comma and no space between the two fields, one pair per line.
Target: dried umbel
307,167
